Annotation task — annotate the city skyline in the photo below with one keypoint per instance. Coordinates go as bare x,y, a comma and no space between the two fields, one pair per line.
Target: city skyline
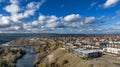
60,16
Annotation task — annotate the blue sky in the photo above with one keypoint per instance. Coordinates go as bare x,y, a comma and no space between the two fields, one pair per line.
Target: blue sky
60,16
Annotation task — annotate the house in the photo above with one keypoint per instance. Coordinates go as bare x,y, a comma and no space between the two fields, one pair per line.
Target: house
104,44
69,44
116,42
97,43
110,50
87,42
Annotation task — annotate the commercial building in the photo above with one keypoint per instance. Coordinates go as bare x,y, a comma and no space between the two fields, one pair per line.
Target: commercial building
81,52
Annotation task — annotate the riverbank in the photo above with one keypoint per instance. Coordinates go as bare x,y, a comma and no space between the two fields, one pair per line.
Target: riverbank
45,50
28,59
10,56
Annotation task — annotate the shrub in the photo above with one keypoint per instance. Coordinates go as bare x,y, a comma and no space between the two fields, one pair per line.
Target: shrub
64,62
42,65
54,65
90,65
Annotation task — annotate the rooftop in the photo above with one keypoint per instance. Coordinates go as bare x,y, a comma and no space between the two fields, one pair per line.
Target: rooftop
84,50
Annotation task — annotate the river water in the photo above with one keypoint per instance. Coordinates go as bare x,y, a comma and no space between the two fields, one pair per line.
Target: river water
27,60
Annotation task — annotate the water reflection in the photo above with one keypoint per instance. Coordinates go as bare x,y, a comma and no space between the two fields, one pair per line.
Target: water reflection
27,60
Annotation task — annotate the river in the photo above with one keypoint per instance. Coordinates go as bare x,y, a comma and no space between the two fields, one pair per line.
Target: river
27,60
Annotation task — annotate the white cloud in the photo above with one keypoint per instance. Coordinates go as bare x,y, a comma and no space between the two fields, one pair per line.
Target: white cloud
69,21
50,23
72,23
32,7
35,23
14,21
89,19
4,20
43,23
29,10
13,8
51,19
110,3
72,18
15,27
17,18
28,13
42,18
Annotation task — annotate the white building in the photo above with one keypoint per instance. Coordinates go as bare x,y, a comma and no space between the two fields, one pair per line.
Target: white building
112,50
82,52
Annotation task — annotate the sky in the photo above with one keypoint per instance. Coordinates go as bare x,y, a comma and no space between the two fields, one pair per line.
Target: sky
60,16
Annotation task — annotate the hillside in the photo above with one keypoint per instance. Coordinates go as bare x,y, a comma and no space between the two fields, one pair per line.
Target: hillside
61,58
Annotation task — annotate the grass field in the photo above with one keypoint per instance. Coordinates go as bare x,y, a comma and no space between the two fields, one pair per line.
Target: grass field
59,56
